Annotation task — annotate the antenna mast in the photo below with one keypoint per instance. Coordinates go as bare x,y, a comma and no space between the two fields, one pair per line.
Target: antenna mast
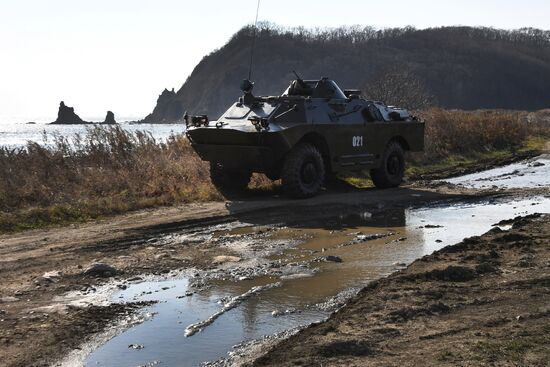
253,41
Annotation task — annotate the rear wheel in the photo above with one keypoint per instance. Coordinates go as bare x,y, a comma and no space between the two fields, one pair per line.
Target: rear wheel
303,171
229,181
392,169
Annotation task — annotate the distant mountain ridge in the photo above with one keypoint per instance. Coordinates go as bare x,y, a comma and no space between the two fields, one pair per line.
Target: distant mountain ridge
463,67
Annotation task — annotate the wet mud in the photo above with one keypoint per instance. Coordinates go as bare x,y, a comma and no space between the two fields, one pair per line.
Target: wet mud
483,301
287,275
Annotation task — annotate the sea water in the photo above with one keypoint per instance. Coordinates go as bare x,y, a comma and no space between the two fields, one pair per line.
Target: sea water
14,135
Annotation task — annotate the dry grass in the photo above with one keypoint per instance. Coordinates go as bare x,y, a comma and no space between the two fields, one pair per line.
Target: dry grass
105,171
470,133
108,170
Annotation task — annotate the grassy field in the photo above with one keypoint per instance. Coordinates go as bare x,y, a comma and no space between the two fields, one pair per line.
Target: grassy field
108,170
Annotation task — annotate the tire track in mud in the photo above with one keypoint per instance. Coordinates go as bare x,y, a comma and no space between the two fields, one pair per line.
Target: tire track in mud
231,304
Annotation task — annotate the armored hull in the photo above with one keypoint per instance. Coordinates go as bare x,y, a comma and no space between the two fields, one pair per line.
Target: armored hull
257,134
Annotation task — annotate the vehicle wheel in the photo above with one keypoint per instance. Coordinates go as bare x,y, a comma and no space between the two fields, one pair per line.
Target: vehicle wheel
303,171
229,181
392,169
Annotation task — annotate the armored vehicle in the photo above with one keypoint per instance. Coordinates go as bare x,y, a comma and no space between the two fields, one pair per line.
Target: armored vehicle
313,131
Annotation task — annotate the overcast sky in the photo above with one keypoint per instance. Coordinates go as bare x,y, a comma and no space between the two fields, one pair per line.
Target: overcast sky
118,55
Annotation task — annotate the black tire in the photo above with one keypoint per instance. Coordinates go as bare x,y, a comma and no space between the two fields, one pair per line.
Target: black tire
303,171
229,182
392,168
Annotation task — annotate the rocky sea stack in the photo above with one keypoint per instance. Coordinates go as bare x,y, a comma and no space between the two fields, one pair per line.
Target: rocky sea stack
67,116
110,118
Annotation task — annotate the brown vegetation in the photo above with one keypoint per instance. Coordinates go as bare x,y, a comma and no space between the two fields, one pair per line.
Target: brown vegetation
107,170
469,134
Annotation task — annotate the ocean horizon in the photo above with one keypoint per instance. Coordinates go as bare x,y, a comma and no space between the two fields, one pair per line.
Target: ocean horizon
17,134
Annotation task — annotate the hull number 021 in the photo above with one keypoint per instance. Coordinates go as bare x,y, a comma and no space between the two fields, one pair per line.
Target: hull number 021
357,141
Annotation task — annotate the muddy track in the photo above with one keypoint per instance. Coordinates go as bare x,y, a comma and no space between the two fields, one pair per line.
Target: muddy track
480,166
31,315
484,301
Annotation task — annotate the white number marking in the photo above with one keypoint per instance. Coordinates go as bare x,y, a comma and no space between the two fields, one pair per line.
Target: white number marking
357,141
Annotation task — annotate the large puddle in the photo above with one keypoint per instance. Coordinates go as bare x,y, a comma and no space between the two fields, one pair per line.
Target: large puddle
530,173
294,275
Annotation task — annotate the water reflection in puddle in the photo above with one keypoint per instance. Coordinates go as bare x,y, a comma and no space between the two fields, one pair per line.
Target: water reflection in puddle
405,235
532,173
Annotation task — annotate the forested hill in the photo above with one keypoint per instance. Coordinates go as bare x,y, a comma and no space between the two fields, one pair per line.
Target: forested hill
462,67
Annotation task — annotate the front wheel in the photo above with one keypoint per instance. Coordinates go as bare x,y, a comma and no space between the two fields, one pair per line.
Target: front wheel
392,169
303,171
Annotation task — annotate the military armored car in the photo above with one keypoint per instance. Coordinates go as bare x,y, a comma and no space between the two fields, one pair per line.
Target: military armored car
313,131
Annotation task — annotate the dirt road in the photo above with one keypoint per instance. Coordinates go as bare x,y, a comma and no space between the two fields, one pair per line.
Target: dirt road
482,302
38,267
29,314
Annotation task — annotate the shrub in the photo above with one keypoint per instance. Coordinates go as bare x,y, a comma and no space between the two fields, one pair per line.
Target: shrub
106,169
467,133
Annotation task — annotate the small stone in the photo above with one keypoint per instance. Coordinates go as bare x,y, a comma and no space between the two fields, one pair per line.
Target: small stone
49,277
8,299
101,270
136,346
162,255
225,259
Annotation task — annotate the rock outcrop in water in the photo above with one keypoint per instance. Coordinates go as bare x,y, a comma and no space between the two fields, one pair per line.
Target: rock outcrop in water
67,116
110,118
